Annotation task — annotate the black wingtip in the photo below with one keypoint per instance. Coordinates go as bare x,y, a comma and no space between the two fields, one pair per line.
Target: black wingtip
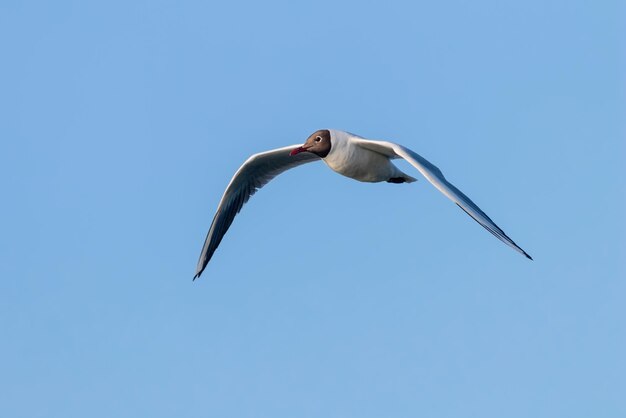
199,272
529,257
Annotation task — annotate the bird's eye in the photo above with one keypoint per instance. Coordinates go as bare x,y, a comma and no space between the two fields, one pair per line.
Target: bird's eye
318,138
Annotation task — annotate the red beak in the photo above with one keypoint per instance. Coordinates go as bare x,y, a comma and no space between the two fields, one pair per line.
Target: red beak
297,151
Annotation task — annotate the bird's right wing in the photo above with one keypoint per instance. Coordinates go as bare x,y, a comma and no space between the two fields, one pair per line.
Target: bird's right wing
434,175
255,173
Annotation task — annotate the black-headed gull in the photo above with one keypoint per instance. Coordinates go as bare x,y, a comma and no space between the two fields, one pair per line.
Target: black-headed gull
355,157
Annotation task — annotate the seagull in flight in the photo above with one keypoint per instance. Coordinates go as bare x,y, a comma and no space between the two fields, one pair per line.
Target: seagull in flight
347,154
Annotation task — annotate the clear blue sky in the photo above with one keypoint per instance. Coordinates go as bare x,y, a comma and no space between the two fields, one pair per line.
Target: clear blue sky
122,122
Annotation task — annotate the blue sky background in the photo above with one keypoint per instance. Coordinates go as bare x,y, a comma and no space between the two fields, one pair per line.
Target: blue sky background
122,122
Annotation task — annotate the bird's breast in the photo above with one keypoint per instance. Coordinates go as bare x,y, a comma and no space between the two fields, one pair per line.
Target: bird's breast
361,164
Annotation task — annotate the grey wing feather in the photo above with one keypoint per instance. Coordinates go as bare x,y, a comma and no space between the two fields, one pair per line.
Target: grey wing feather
436,177
255,173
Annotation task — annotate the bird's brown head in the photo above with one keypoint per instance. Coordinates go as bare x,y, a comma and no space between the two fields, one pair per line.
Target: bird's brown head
318,143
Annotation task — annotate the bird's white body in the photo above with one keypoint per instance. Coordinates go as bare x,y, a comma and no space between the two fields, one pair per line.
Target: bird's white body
362,164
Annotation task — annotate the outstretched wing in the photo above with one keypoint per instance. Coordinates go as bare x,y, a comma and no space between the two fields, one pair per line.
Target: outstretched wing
436,177
255,173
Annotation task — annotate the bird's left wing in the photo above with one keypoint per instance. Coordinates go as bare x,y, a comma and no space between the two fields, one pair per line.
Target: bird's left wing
255,173
436,177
